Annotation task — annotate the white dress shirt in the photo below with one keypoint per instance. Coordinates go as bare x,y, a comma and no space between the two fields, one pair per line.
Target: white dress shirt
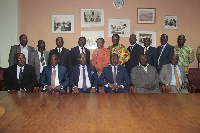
24,50
80,49
80,82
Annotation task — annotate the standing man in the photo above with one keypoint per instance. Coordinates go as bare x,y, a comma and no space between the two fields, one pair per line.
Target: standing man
64,54
173,76
119,49
54,77
114,77
83,77
78,50
164,52
135,51
145,77
21,48
39,58
20,76
185,53
150,52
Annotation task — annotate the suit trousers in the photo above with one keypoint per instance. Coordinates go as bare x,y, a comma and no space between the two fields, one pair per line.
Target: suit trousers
82,91
174,90
142,90
108,90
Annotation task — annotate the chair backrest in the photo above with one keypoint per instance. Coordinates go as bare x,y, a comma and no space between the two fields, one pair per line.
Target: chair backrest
194,75
1,75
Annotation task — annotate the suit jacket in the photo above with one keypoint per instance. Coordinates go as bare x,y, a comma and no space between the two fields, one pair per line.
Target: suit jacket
35,61
107,76
134,57
75,53
139,77
28,81
152,56
64,57
167,53
166,74
92,74
102,59
63,77
16,49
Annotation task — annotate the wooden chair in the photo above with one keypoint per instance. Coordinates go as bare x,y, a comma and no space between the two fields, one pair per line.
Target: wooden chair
194,79
2,85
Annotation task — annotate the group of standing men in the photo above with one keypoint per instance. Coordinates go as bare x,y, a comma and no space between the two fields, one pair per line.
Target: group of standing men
116,66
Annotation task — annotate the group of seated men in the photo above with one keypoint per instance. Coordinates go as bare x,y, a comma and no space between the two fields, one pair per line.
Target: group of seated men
55,70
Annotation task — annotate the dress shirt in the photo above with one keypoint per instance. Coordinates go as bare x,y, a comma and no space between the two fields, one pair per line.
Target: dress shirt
41,67
18,71
60,49
163,47
80,49
173,81
144,67
80,82
146,49
132,46
24,50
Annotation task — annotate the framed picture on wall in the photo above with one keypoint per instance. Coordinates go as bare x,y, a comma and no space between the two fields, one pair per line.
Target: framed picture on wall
170,22
119,26
92,17
140,35
91,37
62,23
146,15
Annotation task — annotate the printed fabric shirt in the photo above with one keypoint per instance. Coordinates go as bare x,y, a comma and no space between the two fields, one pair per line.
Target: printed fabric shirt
122,52
186,56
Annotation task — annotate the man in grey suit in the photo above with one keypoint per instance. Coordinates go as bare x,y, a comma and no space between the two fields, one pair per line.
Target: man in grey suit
21,48
168,76
39,58
145,77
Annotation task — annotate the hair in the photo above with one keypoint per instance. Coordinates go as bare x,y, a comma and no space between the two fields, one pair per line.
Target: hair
16,55
81,54
21,36
181,36
114,54
165,35
52,55
102,39
58,38
82,37
115,35
133,35
40,42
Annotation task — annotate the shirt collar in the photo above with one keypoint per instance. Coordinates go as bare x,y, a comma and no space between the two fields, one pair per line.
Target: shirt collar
23,46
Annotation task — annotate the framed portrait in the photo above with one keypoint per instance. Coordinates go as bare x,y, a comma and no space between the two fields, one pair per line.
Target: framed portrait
170,22
119,26
91,37
141,35
62,23
92,17
146,15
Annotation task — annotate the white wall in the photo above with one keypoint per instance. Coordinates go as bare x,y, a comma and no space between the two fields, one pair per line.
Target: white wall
8,29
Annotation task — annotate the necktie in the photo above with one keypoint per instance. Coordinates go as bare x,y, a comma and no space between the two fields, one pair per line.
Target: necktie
84,80
131,48
82,49
42,59
177,78
97,52
114,75
145,50
59,50
53,76
20,75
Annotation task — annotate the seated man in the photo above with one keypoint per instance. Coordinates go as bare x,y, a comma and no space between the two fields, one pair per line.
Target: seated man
83,77
20,76
173,76
145,77
114,77
54,77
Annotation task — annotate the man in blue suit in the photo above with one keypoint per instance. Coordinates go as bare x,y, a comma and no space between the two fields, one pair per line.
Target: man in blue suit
83,77
54,78
150,53
114,77
164,52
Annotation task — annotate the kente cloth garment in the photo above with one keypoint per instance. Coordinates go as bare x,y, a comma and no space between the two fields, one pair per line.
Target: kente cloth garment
186,56
122,52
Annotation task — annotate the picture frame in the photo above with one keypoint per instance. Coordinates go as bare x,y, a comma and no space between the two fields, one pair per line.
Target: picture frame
119,26
170,22
91,37
140,35
92,17
146,15
62,23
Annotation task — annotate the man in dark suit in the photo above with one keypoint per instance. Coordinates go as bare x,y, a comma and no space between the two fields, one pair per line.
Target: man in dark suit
135,51
78,50
114,77
164,52
39,58
21,48
150,52
83,77
20,76
64,54
54,77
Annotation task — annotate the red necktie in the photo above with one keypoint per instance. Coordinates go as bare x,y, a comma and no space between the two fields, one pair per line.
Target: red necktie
114,75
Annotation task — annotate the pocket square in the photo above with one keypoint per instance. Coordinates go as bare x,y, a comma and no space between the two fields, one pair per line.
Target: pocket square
92,72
